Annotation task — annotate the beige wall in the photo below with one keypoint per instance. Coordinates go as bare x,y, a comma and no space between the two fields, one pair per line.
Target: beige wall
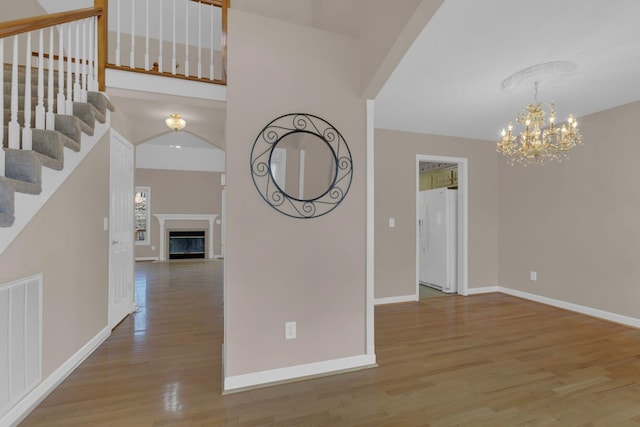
278,268
21,9
576,223
395,197
66,242
180,192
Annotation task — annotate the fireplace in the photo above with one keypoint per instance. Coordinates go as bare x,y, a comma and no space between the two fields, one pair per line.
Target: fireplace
186,244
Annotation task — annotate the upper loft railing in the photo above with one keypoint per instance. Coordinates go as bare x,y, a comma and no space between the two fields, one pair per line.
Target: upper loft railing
56,55
173,38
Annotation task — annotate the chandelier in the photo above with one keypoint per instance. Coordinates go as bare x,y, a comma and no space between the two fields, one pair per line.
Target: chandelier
539,142
175,122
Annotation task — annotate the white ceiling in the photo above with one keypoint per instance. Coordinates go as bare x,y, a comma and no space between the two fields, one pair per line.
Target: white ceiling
449,82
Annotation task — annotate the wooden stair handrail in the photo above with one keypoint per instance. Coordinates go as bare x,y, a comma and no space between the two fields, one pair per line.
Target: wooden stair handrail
19,26
217,3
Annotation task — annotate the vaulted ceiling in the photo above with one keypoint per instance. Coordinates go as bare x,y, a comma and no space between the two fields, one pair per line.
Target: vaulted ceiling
449,82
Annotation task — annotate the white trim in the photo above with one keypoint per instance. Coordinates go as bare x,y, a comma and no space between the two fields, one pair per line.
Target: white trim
147,258
20,411
254,379
370,225
601,314
27,205
157,84
463,219
395,300
483,290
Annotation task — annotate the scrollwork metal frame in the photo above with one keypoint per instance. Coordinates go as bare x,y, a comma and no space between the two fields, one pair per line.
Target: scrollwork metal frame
263,179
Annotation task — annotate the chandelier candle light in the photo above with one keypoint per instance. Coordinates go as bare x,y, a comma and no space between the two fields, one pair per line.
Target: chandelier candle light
538,142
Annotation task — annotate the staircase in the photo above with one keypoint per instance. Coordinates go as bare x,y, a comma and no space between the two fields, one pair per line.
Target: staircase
23,168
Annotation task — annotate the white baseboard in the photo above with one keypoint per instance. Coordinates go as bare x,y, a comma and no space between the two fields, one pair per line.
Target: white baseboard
147,258
483,290
395,300
24,407
594,312
255,379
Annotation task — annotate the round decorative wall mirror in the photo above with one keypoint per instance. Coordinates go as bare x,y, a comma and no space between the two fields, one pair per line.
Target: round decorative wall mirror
301,165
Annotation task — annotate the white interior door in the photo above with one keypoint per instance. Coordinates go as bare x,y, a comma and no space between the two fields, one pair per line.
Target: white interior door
121,231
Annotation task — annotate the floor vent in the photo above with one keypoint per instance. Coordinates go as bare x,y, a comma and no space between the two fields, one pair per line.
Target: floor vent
20,339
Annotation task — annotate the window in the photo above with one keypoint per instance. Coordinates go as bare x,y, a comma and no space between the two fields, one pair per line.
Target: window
142,210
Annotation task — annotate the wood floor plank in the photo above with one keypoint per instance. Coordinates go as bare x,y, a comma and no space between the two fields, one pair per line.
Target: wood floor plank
484,360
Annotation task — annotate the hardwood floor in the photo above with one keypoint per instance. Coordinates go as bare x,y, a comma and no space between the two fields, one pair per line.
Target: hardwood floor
485,360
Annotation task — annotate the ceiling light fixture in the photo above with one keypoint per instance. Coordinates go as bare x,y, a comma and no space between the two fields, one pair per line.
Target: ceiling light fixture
175,122
538,142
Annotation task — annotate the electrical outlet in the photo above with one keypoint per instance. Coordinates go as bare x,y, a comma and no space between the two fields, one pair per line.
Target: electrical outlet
289,330
533,276
392,222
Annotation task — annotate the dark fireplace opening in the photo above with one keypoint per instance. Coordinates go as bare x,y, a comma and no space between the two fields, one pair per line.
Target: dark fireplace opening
186,244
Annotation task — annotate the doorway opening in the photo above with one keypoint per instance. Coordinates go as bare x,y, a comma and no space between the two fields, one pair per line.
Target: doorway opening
441,226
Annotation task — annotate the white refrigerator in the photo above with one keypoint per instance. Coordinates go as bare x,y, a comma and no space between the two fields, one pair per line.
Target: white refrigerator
438,238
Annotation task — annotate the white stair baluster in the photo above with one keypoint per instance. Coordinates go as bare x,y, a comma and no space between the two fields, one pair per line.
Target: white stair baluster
85,70
173,57
50,122
160,41
69,107
26,130
118,33
199,39
40,112
211,49
14,126
93,54
2,107
77,88
132,54
186,43
146,52
61,100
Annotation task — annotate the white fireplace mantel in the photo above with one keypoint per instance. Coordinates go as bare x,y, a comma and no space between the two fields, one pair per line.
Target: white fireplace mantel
184,217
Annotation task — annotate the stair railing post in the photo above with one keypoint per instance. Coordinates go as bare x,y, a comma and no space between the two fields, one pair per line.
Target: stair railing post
211,69
132,53
14,126
102,40
160,40
199,39
69,100
77,88
61,101
40,106
93,82
186,42
26,130
2,107
146,52
50,121
84,68
173,57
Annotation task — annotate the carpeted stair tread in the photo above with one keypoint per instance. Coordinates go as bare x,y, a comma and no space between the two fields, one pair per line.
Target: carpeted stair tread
23,171
7,207
101,102
87,113
72,128
49,144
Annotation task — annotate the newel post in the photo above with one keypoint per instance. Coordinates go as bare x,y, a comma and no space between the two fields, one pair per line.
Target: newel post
103,34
